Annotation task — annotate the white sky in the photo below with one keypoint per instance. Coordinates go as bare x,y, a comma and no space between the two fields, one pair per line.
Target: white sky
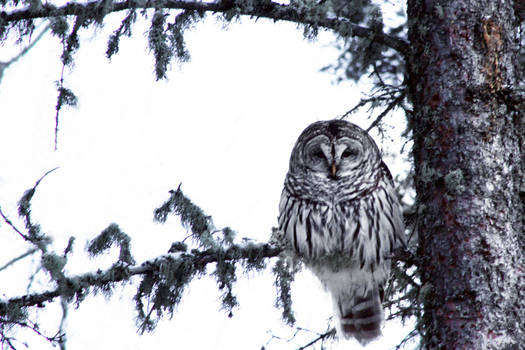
223,124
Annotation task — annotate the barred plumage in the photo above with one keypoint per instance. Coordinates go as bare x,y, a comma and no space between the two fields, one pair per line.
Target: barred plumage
340,214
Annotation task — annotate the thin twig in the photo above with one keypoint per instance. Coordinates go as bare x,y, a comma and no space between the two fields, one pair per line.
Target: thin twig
8,340
386,111
34,327
59,104
355,108
147,319
62,327
4,65
43,176
12,261
7,221
378,75
386,93
32,278
29,47
321,337
411,335
287,340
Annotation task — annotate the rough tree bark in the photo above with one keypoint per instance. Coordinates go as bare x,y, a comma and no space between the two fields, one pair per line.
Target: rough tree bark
468,144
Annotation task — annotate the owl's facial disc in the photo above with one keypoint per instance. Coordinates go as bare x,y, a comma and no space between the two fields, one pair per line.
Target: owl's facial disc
333,157
318,155
348,155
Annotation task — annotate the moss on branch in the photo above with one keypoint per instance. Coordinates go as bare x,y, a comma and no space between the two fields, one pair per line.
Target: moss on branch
250,253
230,9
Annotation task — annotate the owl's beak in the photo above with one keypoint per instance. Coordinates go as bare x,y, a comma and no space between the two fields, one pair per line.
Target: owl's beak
333,169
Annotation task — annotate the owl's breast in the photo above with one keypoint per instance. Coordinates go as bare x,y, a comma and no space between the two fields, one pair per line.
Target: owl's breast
315,228
360,231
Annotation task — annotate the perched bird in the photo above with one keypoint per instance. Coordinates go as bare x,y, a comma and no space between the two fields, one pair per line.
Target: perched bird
340,214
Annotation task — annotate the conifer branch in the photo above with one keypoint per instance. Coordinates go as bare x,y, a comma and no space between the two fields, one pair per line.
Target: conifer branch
261,9
79,285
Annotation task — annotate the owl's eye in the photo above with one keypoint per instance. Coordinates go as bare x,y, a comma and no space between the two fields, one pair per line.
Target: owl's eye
348,153
318,153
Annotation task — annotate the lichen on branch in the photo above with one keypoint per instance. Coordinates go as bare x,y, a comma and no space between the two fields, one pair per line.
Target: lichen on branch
162,280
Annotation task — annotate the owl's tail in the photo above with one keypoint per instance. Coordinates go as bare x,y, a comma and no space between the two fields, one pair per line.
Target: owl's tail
361,317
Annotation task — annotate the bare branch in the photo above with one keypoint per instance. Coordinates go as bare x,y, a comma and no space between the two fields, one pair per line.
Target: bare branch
28,47
43,176
4,65
385,94
12,261
410,336
34,327
8,341
361,103
7,221
392,104
320,337
265,9
329,334
62,327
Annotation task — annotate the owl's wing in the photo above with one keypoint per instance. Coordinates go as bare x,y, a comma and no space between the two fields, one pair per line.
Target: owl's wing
397,217
387,172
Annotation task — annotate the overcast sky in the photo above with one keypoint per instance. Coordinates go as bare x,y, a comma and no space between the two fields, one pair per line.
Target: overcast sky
223,125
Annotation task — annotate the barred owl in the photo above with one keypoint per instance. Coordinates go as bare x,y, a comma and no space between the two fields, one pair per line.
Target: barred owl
340,214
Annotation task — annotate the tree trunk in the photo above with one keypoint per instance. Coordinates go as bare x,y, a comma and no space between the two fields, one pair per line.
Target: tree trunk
467,153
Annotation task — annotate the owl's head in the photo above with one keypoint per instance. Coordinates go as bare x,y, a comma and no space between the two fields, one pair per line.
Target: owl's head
334,149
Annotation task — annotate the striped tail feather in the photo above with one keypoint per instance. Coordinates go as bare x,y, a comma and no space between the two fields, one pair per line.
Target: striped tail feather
361,317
